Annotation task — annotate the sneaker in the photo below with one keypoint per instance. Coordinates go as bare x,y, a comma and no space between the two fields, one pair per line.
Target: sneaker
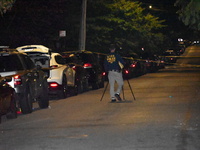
113,100
118,97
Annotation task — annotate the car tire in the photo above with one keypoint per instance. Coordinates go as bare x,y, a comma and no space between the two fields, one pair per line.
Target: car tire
43,101
86,85
64,89
26,103
80,87
13,109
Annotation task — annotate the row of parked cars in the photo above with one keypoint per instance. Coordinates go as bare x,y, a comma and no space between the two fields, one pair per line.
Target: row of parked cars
136,65
28,82
146,63
32,73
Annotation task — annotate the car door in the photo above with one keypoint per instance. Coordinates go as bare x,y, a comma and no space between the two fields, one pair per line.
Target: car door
34,76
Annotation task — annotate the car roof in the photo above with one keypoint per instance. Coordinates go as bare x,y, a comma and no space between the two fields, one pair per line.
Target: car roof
7,50
78,51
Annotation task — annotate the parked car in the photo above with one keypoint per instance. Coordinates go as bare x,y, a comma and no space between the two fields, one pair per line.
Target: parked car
81,75
169,57
132,67
91,64
137,62
61,77
178,49
28,80
7,99
150,62
159,62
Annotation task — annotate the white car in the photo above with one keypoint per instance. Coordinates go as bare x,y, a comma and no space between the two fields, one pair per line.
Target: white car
60,76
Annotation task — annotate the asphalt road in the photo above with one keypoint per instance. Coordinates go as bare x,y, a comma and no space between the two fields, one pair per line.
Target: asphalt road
164,116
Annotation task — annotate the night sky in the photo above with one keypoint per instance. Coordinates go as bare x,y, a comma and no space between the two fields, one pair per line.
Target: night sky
166,10
22,20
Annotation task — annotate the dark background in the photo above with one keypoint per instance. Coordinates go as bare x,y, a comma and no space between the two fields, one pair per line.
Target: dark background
39,22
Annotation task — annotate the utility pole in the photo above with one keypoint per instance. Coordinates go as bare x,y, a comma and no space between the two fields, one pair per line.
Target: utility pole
82,36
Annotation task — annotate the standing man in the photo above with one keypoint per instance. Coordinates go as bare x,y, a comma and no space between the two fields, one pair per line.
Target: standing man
113,64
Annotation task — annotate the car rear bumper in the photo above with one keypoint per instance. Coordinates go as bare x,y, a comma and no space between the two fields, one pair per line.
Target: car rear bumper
54,87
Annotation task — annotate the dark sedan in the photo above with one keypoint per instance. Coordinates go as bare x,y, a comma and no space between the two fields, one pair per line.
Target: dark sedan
81,75
92,66
131,68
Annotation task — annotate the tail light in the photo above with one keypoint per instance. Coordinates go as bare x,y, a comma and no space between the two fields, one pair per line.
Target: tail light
126,71
87,65
17,80
54,66
74,68
132,65
53,85
104,73
19,111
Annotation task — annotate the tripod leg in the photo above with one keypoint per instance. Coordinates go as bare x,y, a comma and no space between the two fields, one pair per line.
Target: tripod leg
131,89
104,91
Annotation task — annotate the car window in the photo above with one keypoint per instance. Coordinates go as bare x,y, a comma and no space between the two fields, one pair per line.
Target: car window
28,62
40,59
60,59
69,60
73,59
10,63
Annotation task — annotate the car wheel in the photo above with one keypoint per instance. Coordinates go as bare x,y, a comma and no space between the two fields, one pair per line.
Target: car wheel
44,98
26,104
79,88
13,109
86,85
64,89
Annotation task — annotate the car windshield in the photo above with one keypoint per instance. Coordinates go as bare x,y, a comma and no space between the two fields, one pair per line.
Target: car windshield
10,63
